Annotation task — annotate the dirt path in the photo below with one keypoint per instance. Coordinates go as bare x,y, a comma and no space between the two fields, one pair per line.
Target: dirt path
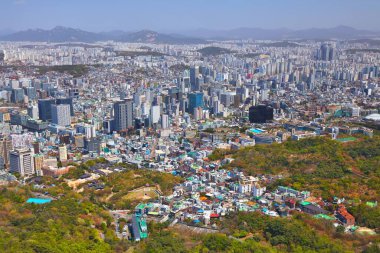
110,196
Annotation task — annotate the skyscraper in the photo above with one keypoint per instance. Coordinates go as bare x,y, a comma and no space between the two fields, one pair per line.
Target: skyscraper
66,101
198,83
31,93
260,114
123,115
327,52
5,147
195,100
17,95
61,115
194,73
331,54
129,112
21,161
44,108
2,56
165,121
155,114
33,111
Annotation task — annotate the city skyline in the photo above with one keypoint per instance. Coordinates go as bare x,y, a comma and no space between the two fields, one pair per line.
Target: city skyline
170,16
190,126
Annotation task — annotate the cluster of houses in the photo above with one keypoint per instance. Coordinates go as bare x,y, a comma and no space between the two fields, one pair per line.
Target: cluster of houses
211,195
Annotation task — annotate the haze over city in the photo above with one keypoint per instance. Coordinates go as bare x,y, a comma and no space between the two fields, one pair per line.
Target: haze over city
189,126
175,16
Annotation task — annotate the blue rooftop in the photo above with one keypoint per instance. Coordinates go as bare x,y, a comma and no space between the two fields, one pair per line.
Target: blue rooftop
256,130
38,201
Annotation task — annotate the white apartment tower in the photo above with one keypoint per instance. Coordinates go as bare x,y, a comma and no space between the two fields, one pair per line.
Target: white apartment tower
60,114
21,161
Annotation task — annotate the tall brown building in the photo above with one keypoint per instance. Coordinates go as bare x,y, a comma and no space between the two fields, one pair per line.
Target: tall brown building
5,148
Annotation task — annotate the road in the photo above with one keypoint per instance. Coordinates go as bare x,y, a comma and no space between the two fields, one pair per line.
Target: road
118,214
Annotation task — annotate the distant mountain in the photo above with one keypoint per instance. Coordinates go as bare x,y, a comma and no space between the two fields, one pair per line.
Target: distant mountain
65,34
146,36
57,34
6,32
339,32
243,33
113,35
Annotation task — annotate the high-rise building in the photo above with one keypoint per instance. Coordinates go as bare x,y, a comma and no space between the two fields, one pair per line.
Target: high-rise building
327,52
74,92
123,115
194,73
227,98
33,111
66,101
36,147
79,141
165,121
331,54
216,107
93,145
21,161
31,93
198,113
195,100
137,99
155,114
108,125
129,113
260,114
38,163
17,95
61,114
62,150
2,56
86,129
5,147
44,108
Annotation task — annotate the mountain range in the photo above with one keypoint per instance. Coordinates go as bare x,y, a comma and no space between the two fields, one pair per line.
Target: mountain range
339,32
65,34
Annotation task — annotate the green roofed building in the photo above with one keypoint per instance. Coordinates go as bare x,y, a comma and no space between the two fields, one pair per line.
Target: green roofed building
139,228
143,228
323,216
304,203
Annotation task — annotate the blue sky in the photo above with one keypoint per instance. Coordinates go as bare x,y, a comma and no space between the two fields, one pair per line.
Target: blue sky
177,15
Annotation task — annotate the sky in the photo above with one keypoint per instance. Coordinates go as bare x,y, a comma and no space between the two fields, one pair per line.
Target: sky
184,15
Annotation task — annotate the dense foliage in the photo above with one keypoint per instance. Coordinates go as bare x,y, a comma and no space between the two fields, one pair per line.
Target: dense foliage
74,70
285,234
70,224
173,241
78,220
367,216
119,184
325,167
259,233
212,51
